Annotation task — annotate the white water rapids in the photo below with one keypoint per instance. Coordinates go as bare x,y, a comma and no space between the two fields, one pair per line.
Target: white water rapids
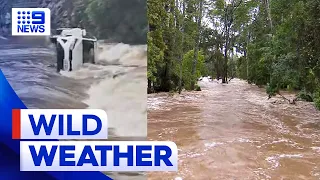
116,83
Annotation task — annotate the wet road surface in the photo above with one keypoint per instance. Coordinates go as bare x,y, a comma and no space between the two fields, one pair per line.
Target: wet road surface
116,84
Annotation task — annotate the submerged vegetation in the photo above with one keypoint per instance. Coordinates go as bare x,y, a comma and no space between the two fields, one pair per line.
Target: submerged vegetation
272,43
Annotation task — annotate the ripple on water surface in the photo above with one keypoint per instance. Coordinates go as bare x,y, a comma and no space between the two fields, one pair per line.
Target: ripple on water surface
116,83
233,131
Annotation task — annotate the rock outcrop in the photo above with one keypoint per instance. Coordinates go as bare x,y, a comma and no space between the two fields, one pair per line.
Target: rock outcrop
61,12
115,20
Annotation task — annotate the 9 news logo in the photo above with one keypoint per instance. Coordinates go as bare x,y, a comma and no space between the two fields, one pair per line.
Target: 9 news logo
31,22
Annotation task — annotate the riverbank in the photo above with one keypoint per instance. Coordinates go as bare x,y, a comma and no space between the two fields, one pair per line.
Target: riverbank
283,97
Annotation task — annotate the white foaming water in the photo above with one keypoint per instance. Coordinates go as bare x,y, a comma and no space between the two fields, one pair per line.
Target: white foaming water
155,102
119,88
274,160
24,51
4,38
205,79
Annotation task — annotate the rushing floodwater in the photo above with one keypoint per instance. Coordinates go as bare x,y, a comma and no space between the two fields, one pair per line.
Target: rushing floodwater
234,132
116,83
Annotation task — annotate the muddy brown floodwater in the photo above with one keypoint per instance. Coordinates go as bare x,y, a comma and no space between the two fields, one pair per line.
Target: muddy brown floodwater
234,132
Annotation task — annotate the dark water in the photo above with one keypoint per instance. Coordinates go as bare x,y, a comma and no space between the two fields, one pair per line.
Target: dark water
115,84
234,132
30,69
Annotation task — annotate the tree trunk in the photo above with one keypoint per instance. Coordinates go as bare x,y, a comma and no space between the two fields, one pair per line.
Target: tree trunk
168,55
232,41
225,64
247,63
196,49
269,14
226,48
246,56
182,41
149,86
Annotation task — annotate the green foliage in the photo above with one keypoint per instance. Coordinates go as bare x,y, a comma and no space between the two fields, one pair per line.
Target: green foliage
316,99
120,21
172,32
155,54
277,44
156,46
286,56
272,89
241,68
187,67
304,95
284,73
197,88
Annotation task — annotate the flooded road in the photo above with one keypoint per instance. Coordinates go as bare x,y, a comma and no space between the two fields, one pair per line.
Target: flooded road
116,84
234,132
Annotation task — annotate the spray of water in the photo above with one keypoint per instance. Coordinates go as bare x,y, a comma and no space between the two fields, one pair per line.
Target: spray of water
119,87
3,38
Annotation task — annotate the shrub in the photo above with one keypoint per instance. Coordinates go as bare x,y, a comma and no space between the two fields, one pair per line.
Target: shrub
316,99
198,88
304,95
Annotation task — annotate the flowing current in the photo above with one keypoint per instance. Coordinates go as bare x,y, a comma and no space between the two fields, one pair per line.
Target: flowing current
233,131
116,84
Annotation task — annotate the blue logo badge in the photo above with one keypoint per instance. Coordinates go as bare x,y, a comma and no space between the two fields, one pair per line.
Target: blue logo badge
31,22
